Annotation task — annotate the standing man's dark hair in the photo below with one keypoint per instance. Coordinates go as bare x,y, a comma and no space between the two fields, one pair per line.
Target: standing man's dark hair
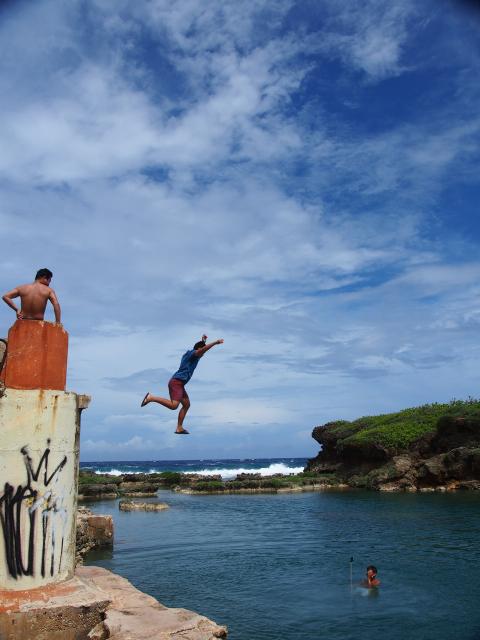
44,273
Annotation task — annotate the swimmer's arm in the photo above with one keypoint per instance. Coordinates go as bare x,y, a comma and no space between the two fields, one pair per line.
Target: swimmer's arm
7,298
202,350
56,307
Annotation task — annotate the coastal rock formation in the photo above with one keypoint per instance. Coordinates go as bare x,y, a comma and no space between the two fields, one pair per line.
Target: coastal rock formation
412,450
93,486
130,505
95,605
93,532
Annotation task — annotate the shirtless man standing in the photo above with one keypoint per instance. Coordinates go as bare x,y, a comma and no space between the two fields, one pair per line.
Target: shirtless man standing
34,298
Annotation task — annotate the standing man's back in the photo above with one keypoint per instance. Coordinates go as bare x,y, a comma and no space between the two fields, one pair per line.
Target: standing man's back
34,298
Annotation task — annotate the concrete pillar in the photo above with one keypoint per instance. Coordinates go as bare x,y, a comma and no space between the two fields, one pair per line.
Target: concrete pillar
39,454
36,356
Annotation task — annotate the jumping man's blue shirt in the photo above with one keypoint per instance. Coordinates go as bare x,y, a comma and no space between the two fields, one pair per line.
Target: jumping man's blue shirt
187,366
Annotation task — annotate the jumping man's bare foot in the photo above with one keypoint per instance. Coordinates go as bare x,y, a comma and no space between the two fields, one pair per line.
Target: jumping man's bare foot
145,400
182,431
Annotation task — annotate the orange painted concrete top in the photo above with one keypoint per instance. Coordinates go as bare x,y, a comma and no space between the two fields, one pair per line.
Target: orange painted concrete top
37,354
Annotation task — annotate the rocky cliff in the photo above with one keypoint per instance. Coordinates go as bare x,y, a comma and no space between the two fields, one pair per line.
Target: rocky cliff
434,447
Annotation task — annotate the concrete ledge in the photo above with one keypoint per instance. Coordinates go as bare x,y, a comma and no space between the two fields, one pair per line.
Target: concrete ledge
97,604
133,615
66,611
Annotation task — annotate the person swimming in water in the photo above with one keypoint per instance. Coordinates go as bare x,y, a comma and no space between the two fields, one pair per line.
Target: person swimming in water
176,385
371,580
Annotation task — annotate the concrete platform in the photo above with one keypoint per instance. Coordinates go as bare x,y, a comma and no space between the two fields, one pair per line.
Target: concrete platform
95,605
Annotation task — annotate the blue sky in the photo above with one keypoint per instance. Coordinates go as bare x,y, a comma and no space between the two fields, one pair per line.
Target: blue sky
299,178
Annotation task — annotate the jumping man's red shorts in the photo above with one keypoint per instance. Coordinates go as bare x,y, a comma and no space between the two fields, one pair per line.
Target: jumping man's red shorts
176,389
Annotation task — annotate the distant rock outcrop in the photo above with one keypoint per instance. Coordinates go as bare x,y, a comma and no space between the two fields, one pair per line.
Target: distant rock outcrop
130,505
415,450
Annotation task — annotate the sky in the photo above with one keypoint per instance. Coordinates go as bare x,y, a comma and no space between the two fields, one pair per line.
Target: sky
297,178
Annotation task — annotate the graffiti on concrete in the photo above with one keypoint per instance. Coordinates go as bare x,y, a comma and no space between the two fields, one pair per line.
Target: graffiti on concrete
31,510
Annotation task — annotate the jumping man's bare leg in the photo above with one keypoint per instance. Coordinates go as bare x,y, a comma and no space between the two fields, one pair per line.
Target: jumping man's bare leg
170,404
181,415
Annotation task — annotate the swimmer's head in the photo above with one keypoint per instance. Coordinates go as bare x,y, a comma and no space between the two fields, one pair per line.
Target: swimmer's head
371,571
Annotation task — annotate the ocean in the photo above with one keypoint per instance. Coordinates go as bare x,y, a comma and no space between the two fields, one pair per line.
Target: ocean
279,567
228,468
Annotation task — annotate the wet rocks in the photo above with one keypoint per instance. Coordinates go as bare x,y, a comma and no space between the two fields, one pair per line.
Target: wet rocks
93,532
130,505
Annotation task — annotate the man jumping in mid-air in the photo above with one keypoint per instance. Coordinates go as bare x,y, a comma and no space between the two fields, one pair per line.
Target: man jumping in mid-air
176,385
34,298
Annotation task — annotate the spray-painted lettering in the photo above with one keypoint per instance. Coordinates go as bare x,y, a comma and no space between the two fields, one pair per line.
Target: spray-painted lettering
22,508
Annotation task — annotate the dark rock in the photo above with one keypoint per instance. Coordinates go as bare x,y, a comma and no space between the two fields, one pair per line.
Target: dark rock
131,505
138,487
97,491
93,532
456,432
248,476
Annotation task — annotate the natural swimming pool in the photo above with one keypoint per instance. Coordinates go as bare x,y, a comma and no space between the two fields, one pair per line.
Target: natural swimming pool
276,567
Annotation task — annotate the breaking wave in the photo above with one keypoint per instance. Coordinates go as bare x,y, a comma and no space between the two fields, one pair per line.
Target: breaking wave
227,474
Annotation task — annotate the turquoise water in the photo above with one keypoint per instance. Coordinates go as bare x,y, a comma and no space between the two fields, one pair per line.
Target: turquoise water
276,567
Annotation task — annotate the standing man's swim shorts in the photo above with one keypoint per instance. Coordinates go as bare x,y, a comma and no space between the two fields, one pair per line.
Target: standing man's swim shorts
176,388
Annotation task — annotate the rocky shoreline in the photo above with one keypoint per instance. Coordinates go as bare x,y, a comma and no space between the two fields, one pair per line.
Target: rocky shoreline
418,451
95,487
430,448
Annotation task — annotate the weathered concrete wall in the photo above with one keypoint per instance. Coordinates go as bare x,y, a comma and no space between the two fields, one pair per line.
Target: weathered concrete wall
39,451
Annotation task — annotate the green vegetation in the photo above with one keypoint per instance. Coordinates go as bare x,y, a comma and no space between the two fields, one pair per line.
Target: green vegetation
285,482
209,485
397,431
170,478
87,477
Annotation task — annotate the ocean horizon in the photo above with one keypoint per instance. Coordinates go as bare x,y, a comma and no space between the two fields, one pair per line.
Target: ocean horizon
227,467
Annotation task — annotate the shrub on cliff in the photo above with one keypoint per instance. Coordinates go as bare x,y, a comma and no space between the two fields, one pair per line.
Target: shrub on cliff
398,431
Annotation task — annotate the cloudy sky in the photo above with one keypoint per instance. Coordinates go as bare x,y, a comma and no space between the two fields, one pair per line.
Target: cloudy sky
299,178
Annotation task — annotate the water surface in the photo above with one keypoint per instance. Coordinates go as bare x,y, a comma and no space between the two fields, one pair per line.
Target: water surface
276,567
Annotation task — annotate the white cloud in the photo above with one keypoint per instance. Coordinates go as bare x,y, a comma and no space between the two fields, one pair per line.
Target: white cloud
371,35
164,167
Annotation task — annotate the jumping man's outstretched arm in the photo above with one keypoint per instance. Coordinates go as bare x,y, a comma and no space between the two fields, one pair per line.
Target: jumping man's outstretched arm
207,347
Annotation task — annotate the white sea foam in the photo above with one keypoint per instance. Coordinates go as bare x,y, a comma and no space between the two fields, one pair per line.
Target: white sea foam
227,474
116,472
